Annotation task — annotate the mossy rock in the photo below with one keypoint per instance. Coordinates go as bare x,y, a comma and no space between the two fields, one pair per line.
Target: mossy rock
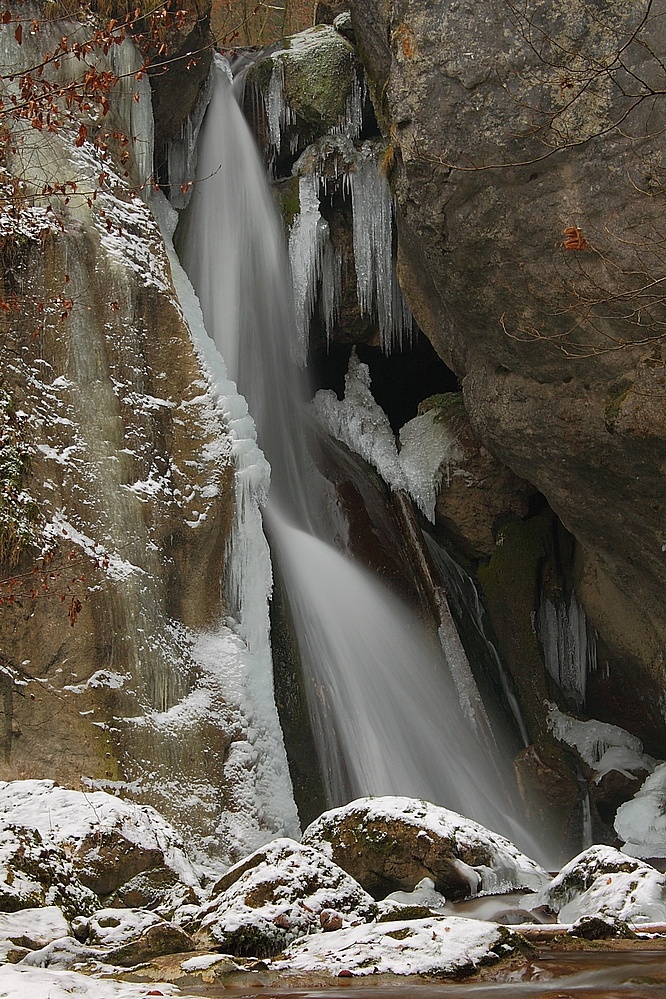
317,67
391,844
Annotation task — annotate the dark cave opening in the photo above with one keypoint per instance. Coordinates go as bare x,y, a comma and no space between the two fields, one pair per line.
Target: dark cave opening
400,381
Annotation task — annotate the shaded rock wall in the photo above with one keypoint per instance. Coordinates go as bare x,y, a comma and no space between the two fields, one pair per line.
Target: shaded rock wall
502,140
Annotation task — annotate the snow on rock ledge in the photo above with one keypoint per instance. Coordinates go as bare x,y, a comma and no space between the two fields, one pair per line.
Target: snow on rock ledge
604,882
391,843
109,840
19,982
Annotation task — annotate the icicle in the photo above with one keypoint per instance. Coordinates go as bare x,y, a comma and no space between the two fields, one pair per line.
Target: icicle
133,102
569,644
331,288
306,240
379,293
351,124
182,151
280,115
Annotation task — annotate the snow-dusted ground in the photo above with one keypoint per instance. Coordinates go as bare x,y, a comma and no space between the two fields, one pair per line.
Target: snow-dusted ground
47,983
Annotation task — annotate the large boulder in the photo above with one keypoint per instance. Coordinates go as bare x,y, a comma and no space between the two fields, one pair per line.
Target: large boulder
34,874
391,843
280,892
603,882
30,929
108,840
129,936
308,84
517,178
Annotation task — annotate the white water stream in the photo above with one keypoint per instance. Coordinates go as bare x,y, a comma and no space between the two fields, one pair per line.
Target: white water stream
385,713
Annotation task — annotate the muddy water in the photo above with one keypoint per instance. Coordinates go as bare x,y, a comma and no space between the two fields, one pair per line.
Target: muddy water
551,976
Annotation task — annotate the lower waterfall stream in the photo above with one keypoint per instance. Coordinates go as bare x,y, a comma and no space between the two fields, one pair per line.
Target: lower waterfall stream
384,710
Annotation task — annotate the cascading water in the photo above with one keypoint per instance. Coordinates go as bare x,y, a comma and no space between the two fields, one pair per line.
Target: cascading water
385,712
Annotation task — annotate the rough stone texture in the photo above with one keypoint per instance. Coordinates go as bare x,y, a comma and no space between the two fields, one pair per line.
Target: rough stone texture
275,895
484,266
326,11
391,843
33,874
131,473
478,490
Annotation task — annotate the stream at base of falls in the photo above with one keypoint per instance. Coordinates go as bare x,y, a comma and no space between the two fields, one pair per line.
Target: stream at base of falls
579,975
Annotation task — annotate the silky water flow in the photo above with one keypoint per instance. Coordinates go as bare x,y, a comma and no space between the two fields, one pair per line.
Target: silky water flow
384,712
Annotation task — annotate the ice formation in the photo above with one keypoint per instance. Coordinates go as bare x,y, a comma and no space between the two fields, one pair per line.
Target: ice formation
602,746
256,766
316,268
568,642
427,445
132,99
379,293
334,162
182,150
641,822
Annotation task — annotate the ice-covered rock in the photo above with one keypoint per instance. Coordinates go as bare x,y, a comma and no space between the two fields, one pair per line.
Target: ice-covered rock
604,882
641,822
109,840
312,84
392,843
602,746
275,895
424,894
437,946
34,873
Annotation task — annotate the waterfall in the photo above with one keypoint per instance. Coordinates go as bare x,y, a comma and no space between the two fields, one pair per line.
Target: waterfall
385,713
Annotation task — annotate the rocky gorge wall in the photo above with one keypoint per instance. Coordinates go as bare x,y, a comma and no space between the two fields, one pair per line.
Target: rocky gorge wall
121,449
510,140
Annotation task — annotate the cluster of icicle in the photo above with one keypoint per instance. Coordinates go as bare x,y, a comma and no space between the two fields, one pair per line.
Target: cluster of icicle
317,266
569,644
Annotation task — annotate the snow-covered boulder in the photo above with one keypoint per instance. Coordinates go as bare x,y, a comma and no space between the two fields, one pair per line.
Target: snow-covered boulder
276,894
34,873
641,822
129,936
603,882
391,843
30,929
436,946
109,840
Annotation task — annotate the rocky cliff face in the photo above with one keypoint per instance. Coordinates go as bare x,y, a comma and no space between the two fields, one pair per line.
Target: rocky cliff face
529,188
120,449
